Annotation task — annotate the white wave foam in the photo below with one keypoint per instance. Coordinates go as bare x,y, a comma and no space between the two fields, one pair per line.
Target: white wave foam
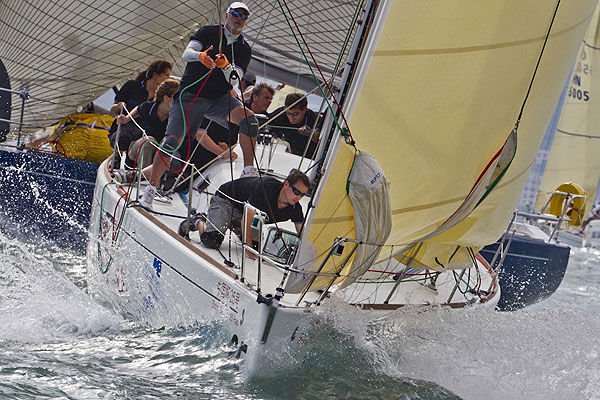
548,351
38,303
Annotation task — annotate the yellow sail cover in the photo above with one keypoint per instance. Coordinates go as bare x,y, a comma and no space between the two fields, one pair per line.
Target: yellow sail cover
574,156
83,136
440,90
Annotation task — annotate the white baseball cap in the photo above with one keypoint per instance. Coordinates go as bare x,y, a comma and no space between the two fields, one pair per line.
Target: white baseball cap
238,4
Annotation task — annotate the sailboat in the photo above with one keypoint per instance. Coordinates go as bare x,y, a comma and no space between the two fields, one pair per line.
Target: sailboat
535,260
438,107
531,265
572,173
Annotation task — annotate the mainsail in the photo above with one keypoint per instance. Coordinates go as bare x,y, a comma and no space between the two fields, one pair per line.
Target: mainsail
440,91
574,154
67,53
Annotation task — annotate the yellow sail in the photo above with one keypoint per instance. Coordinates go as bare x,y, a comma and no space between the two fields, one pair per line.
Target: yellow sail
441,88
574,156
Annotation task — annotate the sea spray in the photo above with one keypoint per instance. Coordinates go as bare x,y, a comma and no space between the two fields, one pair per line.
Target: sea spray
39,303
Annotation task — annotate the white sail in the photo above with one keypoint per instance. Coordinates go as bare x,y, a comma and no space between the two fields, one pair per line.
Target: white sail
435,105
574,154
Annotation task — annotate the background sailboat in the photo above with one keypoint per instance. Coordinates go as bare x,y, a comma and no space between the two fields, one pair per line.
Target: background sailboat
439,122
535,264
574,153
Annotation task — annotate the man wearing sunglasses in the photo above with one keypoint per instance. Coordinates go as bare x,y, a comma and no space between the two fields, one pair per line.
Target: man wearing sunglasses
295,123
217,58
279,200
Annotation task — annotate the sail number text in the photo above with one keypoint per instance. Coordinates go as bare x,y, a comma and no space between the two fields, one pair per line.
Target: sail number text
579,94
574,89
228,295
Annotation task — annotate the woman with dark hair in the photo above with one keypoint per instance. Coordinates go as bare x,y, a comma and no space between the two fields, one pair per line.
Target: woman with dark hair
143,87
152,116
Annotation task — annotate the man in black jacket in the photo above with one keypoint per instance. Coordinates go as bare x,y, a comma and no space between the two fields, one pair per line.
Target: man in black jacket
279,200
217,58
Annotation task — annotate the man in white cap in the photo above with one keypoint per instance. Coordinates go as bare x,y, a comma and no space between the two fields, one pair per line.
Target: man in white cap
217,58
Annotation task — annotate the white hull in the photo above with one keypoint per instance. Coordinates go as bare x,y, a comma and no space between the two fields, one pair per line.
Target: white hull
569,238
152,274
592,235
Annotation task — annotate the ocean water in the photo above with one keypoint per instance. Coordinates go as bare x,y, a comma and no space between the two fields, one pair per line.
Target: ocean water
57,343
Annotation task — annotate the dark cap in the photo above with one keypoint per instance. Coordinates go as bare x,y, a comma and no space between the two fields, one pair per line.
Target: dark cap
250,78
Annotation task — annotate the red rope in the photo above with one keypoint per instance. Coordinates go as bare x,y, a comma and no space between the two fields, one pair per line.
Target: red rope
320,72
59,147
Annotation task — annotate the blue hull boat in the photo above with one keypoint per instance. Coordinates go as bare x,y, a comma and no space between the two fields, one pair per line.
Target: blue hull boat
532,270
46,197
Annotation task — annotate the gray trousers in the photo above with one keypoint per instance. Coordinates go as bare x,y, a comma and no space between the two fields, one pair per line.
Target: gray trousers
216,110
222,215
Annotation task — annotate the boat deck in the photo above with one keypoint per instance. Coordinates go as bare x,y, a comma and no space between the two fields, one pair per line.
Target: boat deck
168,212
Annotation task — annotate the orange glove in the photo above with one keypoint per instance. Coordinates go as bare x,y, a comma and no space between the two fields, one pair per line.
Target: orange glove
205,58
221,61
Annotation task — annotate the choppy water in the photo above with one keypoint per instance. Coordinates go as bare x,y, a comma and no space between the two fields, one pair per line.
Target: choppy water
55,342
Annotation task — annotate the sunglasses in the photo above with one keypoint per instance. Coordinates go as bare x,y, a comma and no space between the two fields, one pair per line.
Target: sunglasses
238,14
297,192
293,114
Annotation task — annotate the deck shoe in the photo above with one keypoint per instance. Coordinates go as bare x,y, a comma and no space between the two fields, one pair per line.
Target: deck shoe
123,176
148,196
249,171
185,229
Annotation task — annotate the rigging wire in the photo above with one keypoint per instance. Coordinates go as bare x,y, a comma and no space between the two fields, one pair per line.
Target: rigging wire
537,64
339,108
578,134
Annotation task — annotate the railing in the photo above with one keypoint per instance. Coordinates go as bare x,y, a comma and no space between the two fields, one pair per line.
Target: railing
283,257
502,251
570,198
336,250
24,96
285,262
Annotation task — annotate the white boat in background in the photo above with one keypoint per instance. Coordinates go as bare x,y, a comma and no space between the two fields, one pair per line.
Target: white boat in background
572,173
592,235
439,95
